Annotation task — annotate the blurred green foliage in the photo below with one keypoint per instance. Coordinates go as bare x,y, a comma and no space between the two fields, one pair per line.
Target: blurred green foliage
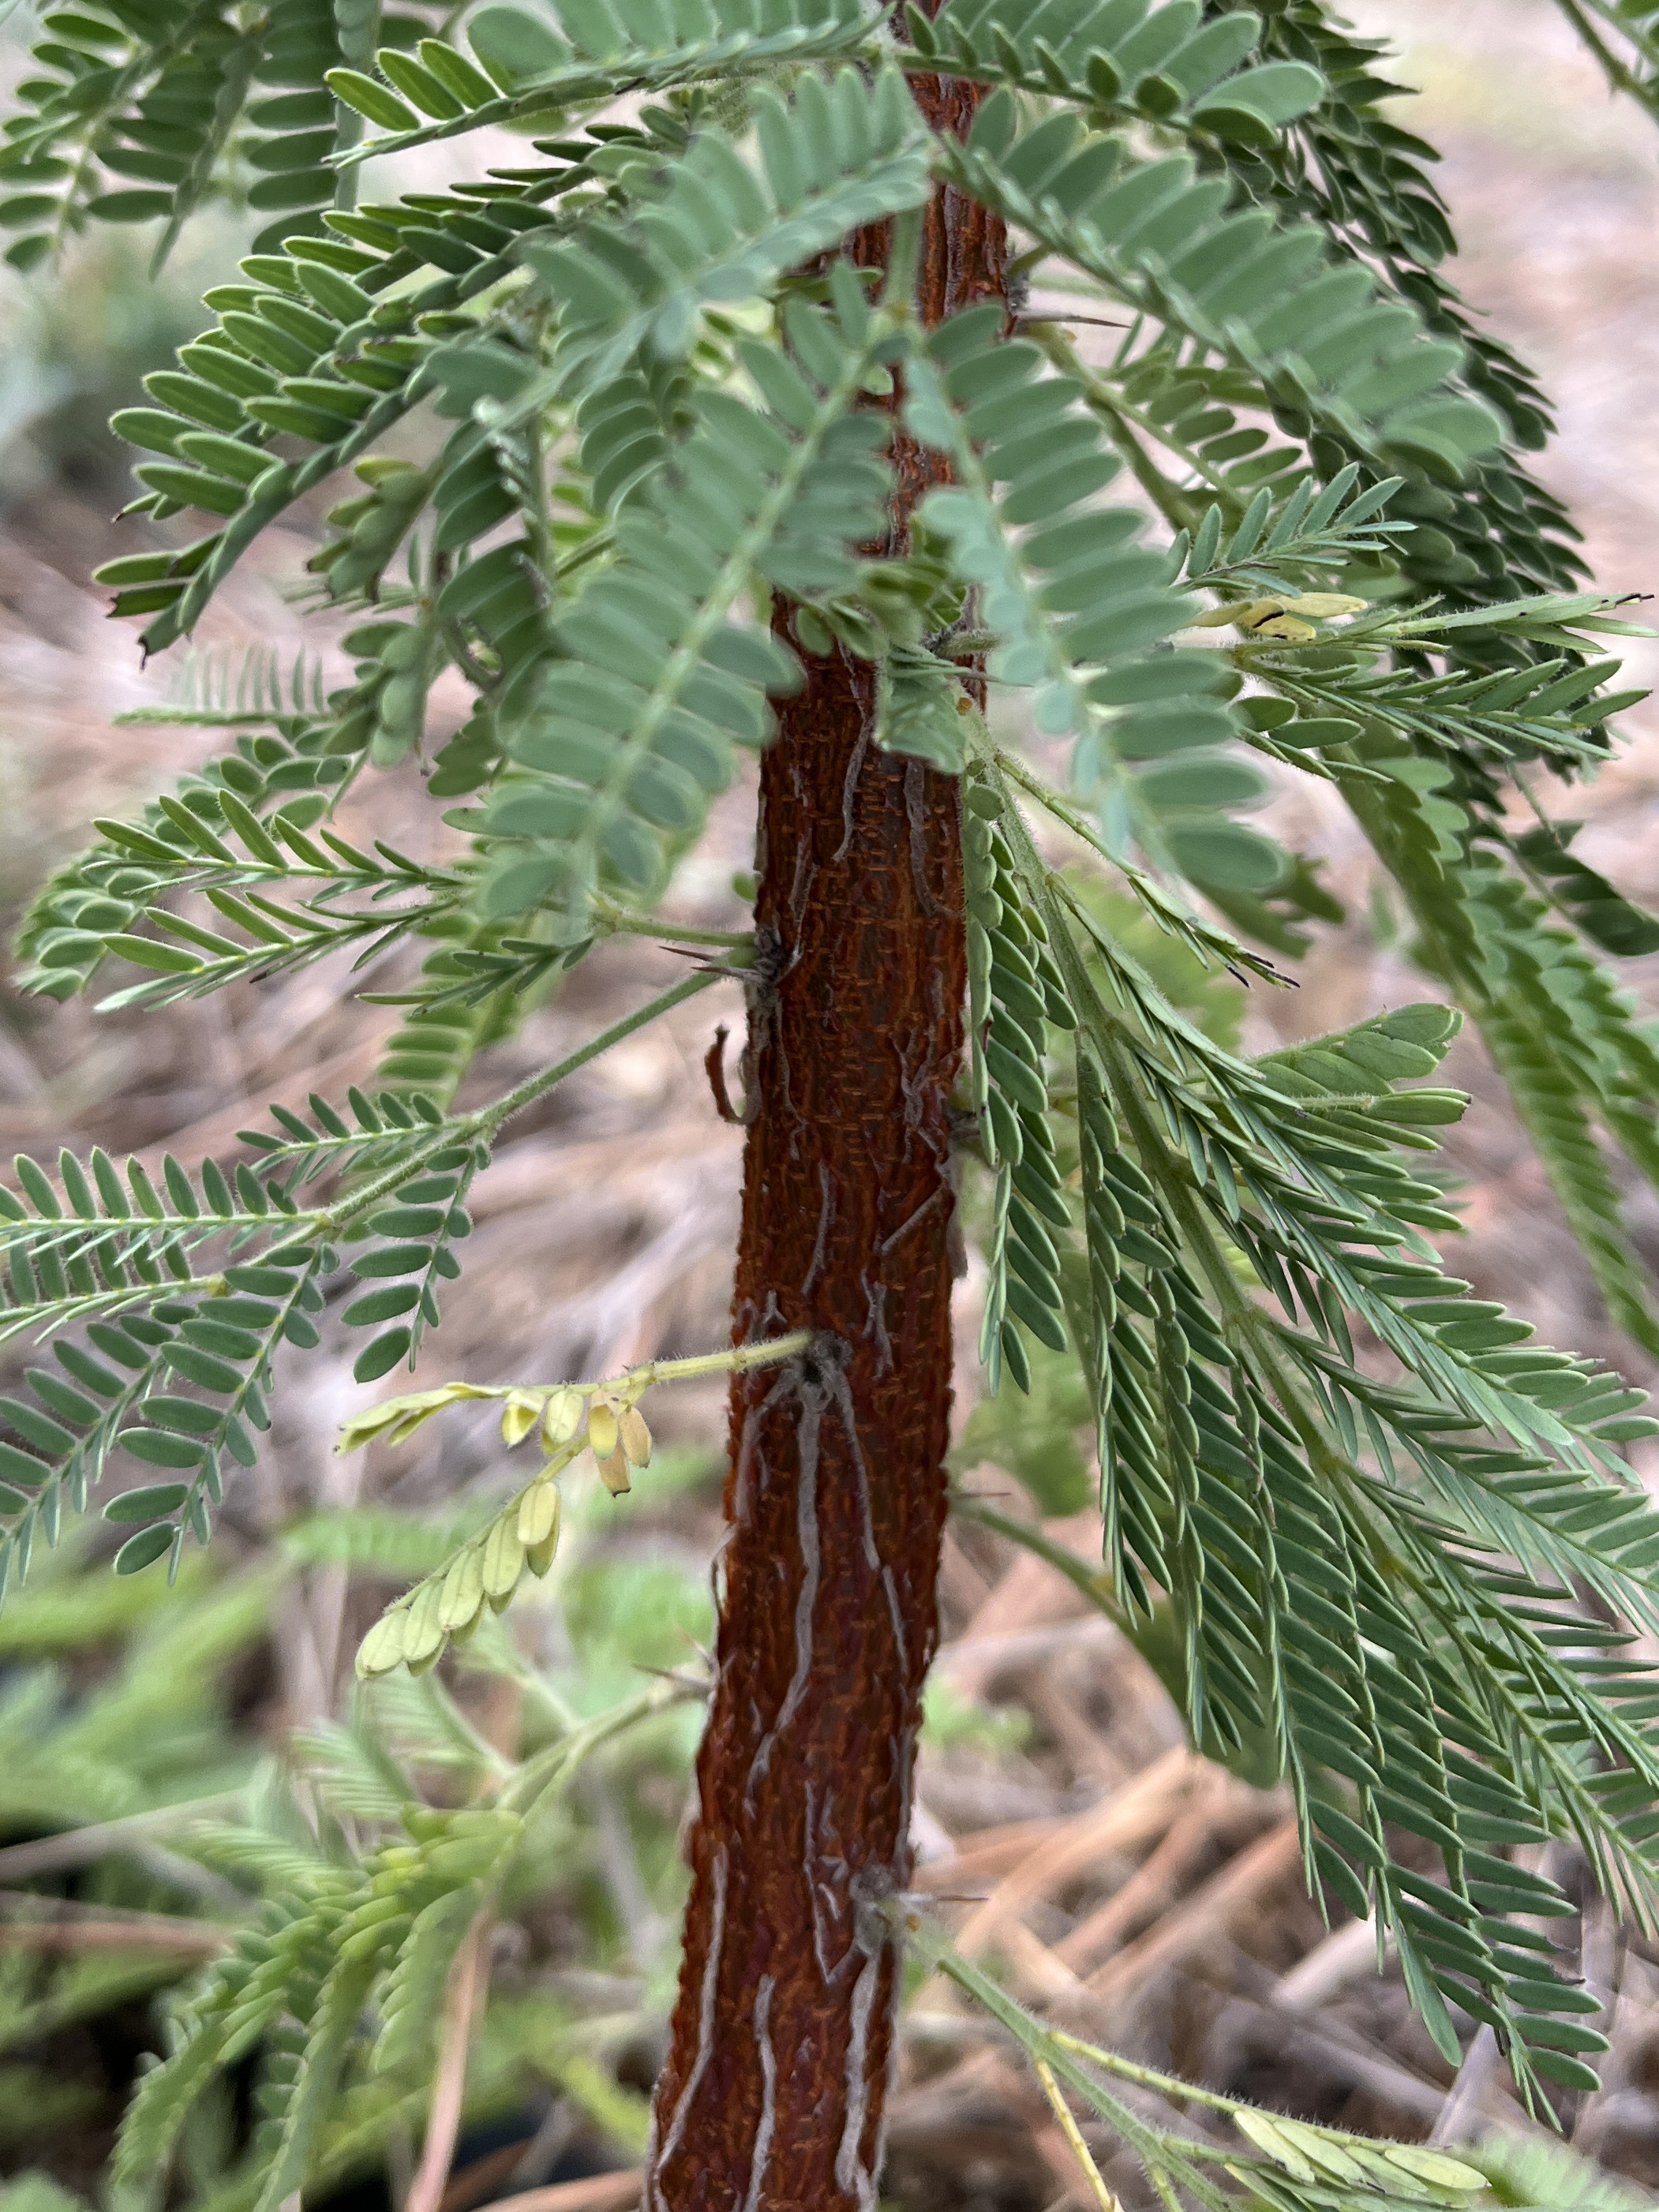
80,341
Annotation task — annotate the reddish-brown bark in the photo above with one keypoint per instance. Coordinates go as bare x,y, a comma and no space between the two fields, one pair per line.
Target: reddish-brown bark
772,2097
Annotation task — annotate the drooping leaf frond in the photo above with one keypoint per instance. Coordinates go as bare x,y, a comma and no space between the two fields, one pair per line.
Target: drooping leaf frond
1263,296
1074,599
1014,993
275,933
339,1931
618,742
183,1283
287,766
1565,1037
1294,1514
304,348
1346,164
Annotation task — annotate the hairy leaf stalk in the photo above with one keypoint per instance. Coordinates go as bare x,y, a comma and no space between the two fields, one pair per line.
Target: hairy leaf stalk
774,2088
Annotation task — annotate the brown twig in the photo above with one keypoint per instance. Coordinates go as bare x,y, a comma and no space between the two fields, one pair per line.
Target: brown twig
1460,2116
1128,1816
467,1979
599,2192
990,1853
478,2182
1240,1882
1344,1956
65,1927
1093,1940
75,1847
1015,1648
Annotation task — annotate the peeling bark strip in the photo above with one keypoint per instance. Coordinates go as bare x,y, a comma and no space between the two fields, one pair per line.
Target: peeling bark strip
772,2097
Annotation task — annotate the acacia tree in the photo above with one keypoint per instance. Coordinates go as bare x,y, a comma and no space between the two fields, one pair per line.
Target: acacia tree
755,422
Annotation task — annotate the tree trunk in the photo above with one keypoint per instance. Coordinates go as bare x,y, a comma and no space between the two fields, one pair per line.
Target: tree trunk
774,2090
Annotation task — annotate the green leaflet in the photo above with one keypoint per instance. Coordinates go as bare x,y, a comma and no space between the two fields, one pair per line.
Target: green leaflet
176,1366
1369,1057
1562,1032
1343,522
626,425
923,709
174,1369
1298,2164
307,334
295,131
108,84
1014,992
298,2114
1555,1110
178,1383
1349,166
1605,915
283,760
373,1133
1550,709
337,1934
434,1043
343,1926
1554,1022
372,526
413,2002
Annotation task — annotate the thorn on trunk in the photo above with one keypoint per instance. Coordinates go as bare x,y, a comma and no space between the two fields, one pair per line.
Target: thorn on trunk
713,1062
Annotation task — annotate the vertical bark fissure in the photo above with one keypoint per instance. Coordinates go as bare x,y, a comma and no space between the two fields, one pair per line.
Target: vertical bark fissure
774,2088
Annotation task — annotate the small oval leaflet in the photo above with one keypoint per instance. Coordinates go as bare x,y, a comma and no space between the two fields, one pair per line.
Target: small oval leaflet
561,1418
163,1448
147,1503
143,1549
503,1559
382,1649
538,1514
603,1428
1278,2147
1434,2167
